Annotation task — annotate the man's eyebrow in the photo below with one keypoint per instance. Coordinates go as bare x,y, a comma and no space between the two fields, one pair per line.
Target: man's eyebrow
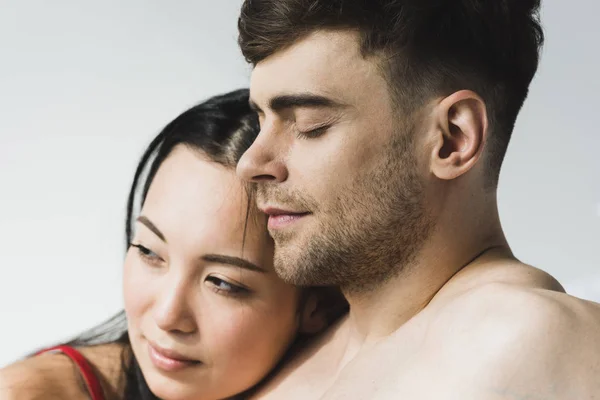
233,261
146,222
309,100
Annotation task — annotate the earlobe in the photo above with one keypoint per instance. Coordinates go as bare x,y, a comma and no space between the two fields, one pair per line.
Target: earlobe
321,306
461,132
312,319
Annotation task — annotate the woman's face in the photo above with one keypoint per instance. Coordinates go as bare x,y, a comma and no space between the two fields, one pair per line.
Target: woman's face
206,320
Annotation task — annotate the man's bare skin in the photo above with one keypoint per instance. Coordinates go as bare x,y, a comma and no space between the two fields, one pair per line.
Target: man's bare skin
496,331
461,318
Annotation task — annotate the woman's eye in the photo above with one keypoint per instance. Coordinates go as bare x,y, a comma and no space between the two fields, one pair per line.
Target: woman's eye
222,286
147,254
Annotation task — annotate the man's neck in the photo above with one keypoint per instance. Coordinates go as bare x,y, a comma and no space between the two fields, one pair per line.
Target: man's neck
382,311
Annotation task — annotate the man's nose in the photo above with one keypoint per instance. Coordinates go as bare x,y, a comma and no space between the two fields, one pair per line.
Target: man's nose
263,161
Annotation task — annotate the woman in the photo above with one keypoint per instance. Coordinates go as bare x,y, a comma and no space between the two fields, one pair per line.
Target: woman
205,315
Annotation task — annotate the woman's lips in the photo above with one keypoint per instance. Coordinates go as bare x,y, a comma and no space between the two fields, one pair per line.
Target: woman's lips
169,360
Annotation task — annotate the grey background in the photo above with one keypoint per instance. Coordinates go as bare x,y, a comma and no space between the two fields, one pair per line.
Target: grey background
84,86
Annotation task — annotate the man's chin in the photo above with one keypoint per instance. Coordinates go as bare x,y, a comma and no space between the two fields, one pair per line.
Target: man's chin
285,259
290,268
294,262
295,270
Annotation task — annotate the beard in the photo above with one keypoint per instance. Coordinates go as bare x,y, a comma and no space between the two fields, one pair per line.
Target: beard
365,235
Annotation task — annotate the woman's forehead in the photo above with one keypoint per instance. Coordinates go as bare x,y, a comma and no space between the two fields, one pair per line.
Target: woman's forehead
192,198
189,188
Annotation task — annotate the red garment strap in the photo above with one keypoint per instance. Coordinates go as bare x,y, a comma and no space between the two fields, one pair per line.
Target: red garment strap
90,378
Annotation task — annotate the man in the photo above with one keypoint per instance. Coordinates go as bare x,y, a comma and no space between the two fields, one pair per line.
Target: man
384,124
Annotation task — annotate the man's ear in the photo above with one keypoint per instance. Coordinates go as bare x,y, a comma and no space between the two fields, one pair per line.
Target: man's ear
461,131
320,307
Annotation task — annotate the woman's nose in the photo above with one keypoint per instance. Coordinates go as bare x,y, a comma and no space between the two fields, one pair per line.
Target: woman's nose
172,311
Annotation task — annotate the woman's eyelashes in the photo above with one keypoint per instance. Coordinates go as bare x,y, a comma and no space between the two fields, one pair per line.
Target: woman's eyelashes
226,288
217,284
147,255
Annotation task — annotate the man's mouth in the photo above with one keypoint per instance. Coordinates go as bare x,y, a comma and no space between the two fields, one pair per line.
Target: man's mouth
280,218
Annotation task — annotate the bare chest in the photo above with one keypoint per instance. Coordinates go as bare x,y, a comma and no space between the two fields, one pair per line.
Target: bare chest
396,368
375,372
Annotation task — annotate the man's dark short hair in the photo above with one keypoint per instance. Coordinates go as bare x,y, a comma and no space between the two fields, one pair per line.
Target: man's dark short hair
426,48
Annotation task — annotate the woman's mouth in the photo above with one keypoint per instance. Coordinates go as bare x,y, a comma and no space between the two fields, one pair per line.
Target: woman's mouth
169,360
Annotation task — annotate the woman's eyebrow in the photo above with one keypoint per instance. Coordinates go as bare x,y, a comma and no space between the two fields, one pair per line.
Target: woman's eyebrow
148,224
234,261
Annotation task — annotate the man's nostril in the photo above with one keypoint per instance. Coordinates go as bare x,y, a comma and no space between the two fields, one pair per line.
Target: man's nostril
263,178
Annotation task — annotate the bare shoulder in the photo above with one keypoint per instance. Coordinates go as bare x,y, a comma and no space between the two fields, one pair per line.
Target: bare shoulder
54,376
536,309
109,361
524,340
48,376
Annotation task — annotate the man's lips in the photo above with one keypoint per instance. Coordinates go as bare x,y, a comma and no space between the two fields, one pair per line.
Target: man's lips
280,218
280,211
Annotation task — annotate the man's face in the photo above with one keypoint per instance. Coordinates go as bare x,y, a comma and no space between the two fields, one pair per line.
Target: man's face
335,164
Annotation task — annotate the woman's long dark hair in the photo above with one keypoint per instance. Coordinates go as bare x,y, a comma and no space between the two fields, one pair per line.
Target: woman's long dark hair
221,128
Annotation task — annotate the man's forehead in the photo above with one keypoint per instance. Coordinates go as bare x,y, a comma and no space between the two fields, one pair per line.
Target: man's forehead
326,63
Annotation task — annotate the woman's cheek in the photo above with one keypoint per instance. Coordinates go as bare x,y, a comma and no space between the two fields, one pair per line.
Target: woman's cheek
235,333
248,339
136,283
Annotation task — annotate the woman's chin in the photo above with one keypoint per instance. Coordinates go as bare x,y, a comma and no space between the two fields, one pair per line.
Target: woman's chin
171,389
